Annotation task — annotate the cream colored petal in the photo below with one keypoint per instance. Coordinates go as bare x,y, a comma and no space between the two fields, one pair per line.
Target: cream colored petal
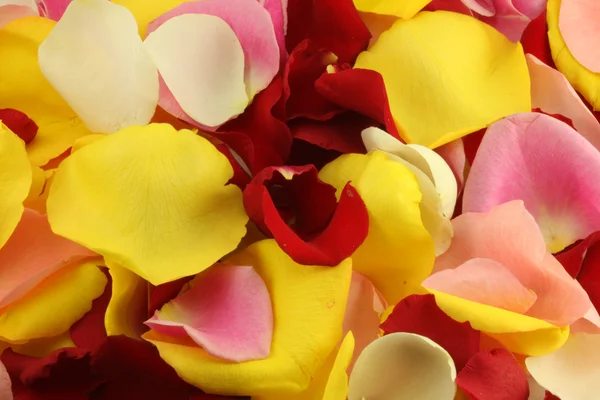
95,59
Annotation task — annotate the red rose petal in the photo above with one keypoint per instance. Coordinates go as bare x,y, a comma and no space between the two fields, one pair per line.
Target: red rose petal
589,276
420,314
493,375
535,40
19,123
305,153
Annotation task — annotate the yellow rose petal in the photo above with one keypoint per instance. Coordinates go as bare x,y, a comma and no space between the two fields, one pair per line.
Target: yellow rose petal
15,181
308,309
447,75
24,88
519,333
54,305
146,11
398,253
400,8
152,199
583,80
128,306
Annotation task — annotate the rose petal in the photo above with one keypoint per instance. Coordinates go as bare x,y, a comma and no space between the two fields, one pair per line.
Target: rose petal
405,9
277,9
15,181
403,366
210,92
398,252
308,310
553,94
494,83
53,9
146,12
5,384
484,281
32,254
225,310
535,40
114,83
25,89
420,314
125,218
19,123
560,199
579,28
572,371
493,375
454,155
11,10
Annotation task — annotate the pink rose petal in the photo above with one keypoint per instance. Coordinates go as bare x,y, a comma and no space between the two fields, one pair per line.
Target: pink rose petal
544,162
53,9
278,11
225,310
579,27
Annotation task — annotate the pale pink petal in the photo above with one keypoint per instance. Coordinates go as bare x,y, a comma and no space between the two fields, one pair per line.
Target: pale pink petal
544,162
225,310
590,323
363,311
5,384
11,10
33,253
454,155
552,93
254,29
482,7
484,281
53,9
579,27
278,11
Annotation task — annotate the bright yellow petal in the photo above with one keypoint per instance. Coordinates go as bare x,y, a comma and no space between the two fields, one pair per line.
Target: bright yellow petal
15,181
400,8
398,253
152,199
24,88
85,140
448,75
43,347
146,11
519,333
583,80
52,307
128,306
308,310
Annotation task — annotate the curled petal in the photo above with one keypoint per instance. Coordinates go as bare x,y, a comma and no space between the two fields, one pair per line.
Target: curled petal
403,366
398,252
557,188
206,79
18,122
172,215
15,181
493,83
225,310
572,371
308,310
110,85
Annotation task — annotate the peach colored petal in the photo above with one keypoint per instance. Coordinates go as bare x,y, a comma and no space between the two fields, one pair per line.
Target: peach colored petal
578,25
552,93
5,384
544,162
484,281
225,310
32,254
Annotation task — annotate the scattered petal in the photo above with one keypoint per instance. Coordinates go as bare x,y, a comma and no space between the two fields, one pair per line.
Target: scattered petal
11,10
579,28
5,384
19,123
404,9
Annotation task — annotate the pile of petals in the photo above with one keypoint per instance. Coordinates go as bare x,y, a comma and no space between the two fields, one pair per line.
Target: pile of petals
299,199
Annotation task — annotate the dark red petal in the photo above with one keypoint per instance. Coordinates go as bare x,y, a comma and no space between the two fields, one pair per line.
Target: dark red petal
258,136
342,133
304,153
162,294
535,40
19,123
589,275
359,90
333,25
89,332
493,375
572,258
471,143
420,314
305,65
550,396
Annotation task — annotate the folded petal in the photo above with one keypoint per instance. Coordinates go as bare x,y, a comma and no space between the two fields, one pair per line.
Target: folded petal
308,309
485,281
493,375
404,9
56,303
33,253
5,384
572,371
403,366
398,252
579,28
162,220
24,88
552,93
99,66
127,309
422,82
225,310
206,79
15,181
557,188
